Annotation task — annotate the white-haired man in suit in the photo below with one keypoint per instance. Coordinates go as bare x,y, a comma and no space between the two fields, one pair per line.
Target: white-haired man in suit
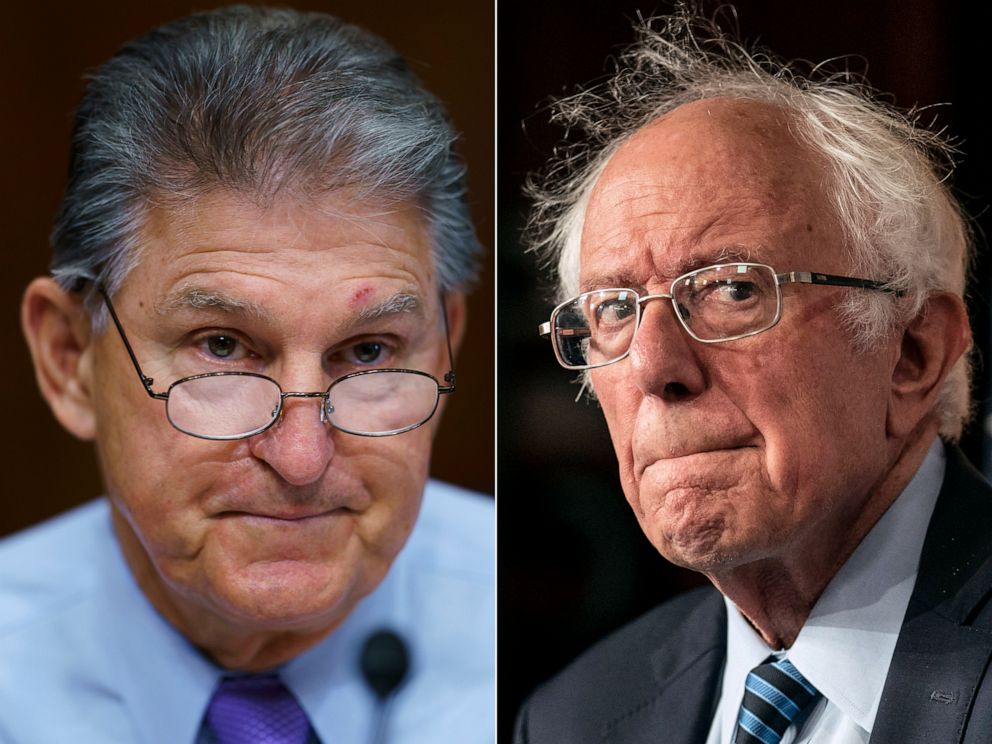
762,280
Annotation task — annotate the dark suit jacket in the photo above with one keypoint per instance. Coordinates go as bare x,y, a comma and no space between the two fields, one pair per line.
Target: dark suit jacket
657,680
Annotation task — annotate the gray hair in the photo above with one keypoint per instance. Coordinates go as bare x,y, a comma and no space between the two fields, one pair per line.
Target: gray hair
887,185
261,102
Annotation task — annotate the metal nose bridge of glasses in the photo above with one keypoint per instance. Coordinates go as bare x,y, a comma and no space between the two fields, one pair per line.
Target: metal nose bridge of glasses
326,409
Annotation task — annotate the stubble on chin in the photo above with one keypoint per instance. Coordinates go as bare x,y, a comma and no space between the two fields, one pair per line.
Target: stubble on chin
696,518
695,541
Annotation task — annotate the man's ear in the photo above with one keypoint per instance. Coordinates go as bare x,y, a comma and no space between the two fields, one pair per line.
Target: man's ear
57,329
932,342
457,308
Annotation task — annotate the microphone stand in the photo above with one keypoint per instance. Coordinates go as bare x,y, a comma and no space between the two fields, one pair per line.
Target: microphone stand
384,662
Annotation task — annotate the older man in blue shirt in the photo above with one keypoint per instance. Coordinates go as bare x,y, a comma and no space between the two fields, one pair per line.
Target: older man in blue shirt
259,274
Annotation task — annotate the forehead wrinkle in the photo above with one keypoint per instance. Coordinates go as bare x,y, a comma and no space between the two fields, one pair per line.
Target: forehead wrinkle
191,296
695,259
669,228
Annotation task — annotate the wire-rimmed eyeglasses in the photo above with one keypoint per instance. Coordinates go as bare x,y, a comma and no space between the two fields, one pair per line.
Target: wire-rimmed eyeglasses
713,304
236,405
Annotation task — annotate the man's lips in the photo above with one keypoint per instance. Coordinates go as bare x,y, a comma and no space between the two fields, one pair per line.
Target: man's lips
265,502
643,463
280,515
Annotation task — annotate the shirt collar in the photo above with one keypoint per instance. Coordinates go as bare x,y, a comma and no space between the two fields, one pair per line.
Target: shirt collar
165,681
845,647
745,650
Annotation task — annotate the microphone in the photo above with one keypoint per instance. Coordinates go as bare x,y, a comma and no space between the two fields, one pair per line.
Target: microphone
384,663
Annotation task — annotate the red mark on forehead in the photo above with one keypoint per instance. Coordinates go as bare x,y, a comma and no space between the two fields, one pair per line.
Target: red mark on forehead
359,296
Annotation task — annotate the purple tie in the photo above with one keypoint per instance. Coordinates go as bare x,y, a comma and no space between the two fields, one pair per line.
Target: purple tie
256,710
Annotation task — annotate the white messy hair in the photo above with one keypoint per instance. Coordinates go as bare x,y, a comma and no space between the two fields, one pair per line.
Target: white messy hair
886,182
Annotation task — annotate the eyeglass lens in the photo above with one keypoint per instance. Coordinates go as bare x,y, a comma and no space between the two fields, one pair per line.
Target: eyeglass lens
717,303
223,406
382,402
725,302
231,406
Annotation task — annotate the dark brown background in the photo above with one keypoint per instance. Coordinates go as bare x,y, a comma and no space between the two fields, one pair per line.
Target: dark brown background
573,564
44,50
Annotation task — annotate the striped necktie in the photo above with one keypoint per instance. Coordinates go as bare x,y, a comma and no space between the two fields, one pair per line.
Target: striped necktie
775,693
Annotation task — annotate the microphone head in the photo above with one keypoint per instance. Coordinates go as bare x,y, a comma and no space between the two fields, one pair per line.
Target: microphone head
384,662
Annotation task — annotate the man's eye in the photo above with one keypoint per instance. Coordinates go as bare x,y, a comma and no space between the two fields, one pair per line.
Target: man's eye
368,352
222,346
726,291
739,291
615,311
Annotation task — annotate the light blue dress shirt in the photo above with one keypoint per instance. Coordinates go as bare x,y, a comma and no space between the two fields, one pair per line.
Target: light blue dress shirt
846,645
85,658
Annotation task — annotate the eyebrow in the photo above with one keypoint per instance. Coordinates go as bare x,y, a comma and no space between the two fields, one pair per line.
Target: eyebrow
197,298
682,265
401,302
604,281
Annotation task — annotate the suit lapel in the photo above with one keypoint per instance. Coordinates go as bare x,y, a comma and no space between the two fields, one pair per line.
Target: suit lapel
687,671
941,655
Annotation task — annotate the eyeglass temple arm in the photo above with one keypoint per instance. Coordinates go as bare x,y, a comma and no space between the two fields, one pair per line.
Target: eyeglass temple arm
545,330
450,376
145,380
811,277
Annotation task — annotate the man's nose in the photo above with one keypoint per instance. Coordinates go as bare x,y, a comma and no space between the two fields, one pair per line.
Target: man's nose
299,446
664,359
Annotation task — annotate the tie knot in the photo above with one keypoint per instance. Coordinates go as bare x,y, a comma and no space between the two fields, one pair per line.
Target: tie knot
775,693
256,710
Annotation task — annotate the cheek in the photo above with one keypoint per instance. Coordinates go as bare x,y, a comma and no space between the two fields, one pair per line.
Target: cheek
393,470
620,401
166,512
157,477
773,394
817,413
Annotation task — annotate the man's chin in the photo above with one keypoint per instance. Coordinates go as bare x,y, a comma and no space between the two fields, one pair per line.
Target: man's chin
702,545
290,595
695,521
704,561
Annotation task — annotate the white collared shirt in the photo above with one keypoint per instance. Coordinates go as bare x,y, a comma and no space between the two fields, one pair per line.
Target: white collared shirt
845,647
